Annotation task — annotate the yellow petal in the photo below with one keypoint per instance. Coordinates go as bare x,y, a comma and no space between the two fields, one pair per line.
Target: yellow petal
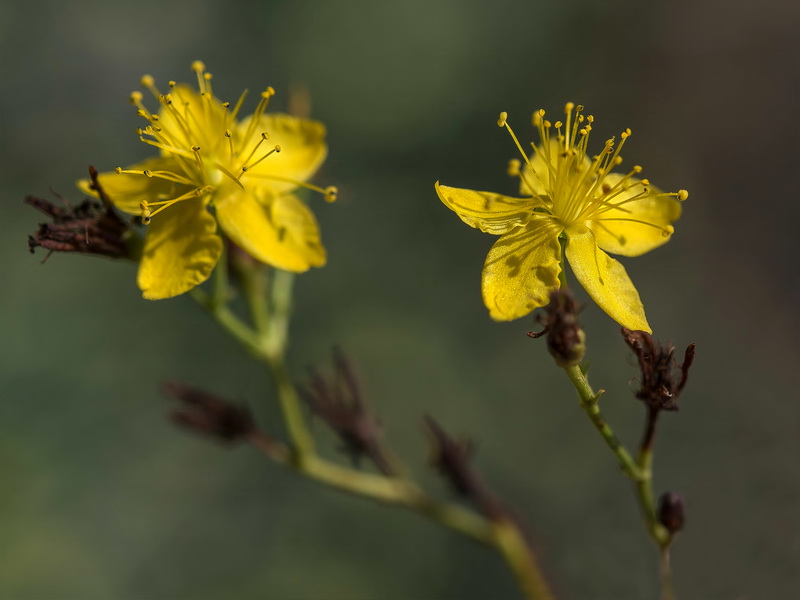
303,150
280,231
127,192
487,211
605,279
522,268
180,250
616,233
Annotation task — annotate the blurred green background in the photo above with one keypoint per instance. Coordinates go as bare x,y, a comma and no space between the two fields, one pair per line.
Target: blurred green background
101,497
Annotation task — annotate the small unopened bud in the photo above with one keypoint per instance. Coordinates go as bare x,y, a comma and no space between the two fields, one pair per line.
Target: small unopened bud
670,511
565,338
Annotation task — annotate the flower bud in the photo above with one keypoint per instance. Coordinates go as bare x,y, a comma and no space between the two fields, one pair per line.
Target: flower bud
670,511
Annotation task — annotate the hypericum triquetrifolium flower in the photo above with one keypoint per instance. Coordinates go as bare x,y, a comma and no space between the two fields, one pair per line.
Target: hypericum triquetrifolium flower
572,200
214,169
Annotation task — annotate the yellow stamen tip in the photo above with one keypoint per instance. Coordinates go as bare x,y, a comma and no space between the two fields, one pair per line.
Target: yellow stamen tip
264,135
226,104
682,195
331,193
569,106
514,166
268,93
136,97
147,81
501,122
207,76
558,124
277,148
637,169
198,66
171,83
228,133
118,170
147,173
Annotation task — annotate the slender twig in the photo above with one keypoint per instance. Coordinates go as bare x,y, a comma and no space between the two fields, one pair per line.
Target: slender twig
266,340
590,404
639,470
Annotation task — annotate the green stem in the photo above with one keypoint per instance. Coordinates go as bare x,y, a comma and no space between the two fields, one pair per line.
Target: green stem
229,321
589,403
640,470
267,340
667,591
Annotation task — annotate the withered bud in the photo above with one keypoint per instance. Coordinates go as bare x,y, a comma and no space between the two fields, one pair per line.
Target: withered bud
91,227
452,459
340,403
671,511
662,378
209,414
565,338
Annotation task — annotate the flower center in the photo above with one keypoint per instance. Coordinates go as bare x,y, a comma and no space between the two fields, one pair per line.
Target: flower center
210,151
579,188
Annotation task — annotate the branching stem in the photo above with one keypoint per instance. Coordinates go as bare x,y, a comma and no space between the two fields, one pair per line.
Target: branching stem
269,302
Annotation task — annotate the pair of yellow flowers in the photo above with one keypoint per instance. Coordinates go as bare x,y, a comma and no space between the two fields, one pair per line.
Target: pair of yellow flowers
215,169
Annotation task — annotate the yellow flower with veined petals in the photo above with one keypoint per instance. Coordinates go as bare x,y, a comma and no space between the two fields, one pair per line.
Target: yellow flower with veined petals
214,169
573,201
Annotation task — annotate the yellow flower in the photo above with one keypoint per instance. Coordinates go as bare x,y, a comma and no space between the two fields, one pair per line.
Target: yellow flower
214,169
573,202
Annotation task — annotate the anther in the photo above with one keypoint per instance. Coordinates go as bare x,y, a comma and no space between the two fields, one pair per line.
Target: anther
265,136
228,133
645,182
118,170
198,66
147,173
171,83
637,169
268,93
514,166
590,118
569,106
331,193
682,195
147,81
501,122
226,104
207,76
136,97
558,124
277,148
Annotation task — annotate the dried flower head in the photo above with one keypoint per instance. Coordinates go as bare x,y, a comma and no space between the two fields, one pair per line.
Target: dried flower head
565,338
91,227
209,414
662,378
340,403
